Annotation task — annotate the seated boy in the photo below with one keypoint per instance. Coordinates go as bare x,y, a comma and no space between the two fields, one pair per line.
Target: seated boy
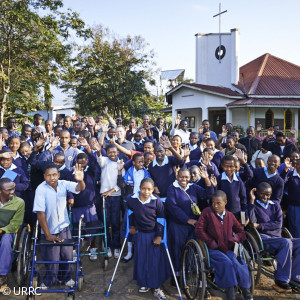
50,206
220,230
11,218
266,217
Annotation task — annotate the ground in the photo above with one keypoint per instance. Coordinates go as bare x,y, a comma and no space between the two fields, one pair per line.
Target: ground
97,281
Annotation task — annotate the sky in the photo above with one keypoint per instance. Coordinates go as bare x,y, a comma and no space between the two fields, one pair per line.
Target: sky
169,26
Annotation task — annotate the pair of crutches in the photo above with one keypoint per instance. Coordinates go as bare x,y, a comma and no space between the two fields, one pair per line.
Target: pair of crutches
163,222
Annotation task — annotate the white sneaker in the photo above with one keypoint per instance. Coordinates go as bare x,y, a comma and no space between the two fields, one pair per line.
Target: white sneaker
109,254
93,256
116,253
43,286
70,283
74,255
158,293
143,289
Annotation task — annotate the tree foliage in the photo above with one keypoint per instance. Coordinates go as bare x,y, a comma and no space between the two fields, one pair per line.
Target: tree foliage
113,72
34,50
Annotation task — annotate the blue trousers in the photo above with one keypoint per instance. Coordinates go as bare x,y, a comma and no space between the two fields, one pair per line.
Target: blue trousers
178,235
56,272
113,209
6,253
287,253
293,214
229,270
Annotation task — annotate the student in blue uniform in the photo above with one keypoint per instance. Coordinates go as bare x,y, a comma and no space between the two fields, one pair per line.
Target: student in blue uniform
266,217
138,141
218,155
162,168
292,184
220,230
270,175
151,265
181,218
233,187
14,145
193,145
130,183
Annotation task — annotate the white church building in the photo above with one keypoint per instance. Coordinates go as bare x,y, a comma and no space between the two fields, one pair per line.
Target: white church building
265,91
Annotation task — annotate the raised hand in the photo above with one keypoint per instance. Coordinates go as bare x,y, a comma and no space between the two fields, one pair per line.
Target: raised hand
165,142
97,127
258,127
270,131
105,128
224,131
203,172
186,151
41,142
105,111
95,145
287,163
213,180
2,142
78,172
26,121
83,142
177,120
54,141
91,121
202,146
7,155
121,165
292,131
252,196
239,154
200,129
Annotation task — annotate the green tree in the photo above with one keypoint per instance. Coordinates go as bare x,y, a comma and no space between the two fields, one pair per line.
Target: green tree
34,51
113,72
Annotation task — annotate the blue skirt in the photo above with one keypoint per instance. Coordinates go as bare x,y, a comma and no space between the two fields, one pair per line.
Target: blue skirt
151,264
131,238
89,212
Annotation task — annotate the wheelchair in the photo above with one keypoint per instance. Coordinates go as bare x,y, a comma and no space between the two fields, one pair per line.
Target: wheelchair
197,273
261,257
22,250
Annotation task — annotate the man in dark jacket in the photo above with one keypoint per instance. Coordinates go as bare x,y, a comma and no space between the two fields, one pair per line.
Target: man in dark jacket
250,142
281,146
158,131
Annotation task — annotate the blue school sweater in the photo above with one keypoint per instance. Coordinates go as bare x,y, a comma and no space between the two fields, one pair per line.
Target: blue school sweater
21,181
178,205
163,176
292,183
144,217
245,172
195,154
217,159
269,217
235,192
139,146
20,162
275,181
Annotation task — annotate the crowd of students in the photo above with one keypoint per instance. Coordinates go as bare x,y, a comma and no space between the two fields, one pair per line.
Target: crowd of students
204,184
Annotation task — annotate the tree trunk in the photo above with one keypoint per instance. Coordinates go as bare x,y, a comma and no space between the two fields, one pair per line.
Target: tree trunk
2,111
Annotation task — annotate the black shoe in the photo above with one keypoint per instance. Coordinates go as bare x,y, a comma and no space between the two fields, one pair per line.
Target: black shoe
125,261
283,285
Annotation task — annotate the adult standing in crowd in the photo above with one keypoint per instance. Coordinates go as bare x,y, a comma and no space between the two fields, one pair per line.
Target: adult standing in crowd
250,142
182,131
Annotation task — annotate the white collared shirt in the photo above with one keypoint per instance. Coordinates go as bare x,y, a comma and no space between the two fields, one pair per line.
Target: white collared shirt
137,195
225,177
165,162
265,205
295,173
138,176
176,184
222,215
269,175
202,164
193,147
185,135
12,167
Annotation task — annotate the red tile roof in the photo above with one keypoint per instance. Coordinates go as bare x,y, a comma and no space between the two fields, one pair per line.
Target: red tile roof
266,101
212,88
270,75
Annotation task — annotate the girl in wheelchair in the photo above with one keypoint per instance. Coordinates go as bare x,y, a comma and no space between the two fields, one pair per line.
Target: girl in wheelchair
221,231
266,217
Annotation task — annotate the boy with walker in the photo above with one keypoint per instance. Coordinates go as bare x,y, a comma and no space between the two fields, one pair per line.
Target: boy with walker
50,206
220,230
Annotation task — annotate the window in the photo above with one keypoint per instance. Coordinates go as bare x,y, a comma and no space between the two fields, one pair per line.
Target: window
269,119
288,119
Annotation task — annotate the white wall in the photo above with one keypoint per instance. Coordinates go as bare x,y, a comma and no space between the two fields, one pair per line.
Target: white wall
208,69
240,117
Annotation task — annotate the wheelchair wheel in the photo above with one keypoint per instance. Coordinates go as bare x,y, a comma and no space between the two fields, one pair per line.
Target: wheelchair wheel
193,276
24,257
252,248
250,263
